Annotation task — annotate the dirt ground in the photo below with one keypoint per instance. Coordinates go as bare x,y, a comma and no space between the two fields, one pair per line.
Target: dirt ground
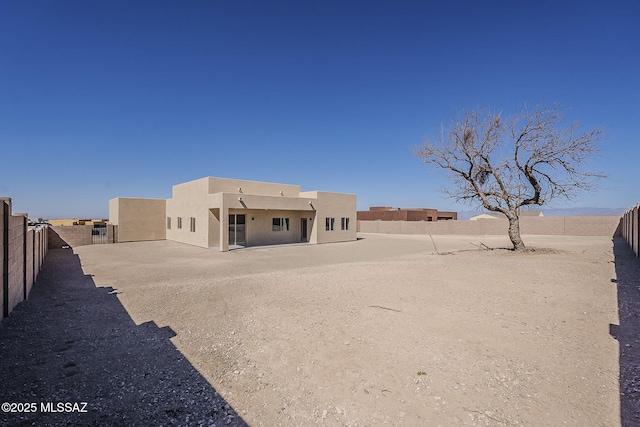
387,330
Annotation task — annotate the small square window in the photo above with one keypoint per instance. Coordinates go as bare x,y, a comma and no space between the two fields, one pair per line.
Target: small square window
280,224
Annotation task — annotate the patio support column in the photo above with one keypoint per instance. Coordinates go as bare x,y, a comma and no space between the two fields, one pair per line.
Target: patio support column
224,228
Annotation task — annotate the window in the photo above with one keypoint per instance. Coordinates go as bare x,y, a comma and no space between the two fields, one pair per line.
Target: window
192,226
328,223
280,224
168,223
179,222
344,223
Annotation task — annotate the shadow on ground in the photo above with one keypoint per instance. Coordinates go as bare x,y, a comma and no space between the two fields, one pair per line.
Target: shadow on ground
72,342
627,333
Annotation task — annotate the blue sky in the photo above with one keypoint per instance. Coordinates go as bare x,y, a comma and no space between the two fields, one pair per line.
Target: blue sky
126,98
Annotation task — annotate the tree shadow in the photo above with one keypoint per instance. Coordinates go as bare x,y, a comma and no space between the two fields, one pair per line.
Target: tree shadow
72,342
627,267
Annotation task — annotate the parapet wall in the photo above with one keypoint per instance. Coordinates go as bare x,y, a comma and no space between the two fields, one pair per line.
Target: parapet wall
22,251
559,225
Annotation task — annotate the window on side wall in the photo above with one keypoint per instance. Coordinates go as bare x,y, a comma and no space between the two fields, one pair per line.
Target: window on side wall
168,223
192,226
179,222
280,224
329,224
344,223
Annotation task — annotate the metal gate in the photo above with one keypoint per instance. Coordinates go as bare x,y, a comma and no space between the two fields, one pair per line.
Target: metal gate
99,234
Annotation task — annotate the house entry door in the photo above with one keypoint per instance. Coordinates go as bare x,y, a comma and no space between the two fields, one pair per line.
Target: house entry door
237,229
303,230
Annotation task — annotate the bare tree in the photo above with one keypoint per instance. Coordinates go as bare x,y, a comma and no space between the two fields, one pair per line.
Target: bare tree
504,164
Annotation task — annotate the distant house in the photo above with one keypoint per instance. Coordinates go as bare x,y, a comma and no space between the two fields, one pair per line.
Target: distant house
68,222
387,213
227,213
486,216
496,215
531,213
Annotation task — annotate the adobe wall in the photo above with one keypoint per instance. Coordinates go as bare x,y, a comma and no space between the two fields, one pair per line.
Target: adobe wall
565,225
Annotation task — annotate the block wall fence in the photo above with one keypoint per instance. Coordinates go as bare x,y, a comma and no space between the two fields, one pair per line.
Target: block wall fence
77,235
630,228
558,225
23,249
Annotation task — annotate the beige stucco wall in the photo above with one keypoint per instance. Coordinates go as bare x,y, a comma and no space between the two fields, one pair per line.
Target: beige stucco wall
138,219
333,205
210,185
259,226
224,185
114,210
190,200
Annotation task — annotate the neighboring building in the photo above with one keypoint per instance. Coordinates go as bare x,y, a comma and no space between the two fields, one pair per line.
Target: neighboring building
497,215
386,213
486,216
530,213
223,213
67,222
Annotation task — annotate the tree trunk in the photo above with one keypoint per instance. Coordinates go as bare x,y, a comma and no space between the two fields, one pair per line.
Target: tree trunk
514,233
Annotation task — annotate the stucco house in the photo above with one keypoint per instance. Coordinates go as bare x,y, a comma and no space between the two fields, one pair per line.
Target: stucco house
229,213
